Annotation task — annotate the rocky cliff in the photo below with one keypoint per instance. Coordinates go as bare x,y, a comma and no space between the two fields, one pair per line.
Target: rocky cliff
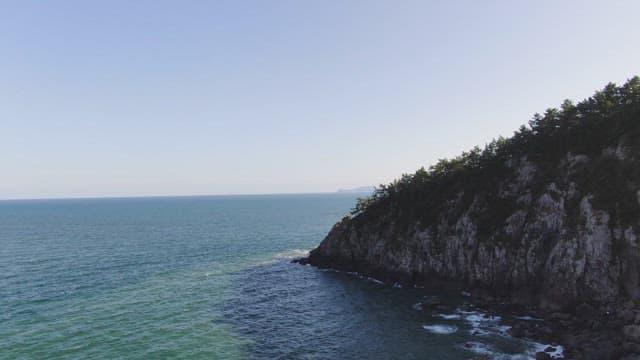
553,249
548,218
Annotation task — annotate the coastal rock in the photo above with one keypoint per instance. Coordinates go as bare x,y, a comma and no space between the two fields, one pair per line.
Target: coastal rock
553,226
632,332
540,355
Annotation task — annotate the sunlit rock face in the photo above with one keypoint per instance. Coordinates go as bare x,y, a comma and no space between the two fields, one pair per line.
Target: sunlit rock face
554,249
548,219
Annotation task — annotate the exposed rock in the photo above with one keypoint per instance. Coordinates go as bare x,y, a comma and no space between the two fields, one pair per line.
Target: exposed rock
559,234
632,332
540,355
559,316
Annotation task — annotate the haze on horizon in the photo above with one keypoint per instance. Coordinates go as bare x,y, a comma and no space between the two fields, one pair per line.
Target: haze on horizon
138,98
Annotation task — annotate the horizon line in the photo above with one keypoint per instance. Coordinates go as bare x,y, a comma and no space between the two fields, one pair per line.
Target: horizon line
108,197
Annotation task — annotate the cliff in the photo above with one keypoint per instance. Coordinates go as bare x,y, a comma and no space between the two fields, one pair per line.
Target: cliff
547,218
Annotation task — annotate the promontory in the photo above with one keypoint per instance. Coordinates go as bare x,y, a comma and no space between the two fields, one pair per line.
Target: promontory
548,219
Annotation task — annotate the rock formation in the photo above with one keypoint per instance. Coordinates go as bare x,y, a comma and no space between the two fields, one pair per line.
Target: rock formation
549,218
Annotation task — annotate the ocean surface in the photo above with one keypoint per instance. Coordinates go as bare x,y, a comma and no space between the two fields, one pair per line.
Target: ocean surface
211,278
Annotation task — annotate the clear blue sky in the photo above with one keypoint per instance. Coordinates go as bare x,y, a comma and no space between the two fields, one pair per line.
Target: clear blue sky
125,98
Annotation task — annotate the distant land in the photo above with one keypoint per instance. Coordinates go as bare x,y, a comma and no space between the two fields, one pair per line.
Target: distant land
361,189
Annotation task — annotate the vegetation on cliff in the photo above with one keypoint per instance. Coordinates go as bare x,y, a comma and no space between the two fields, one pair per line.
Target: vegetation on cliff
610,119
548,218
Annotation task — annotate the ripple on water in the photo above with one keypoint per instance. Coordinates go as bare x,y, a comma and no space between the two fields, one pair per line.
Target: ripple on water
206,278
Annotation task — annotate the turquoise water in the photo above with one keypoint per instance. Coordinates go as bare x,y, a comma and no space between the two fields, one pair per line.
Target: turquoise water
204,278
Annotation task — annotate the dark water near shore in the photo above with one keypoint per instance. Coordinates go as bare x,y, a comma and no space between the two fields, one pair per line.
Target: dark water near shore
210,278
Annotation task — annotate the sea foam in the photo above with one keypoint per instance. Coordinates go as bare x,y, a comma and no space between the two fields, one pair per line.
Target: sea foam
440,329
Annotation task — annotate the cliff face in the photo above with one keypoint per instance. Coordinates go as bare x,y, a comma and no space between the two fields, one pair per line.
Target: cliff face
549,217
552,249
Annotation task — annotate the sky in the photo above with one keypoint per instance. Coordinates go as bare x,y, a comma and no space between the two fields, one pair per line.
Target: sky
143,98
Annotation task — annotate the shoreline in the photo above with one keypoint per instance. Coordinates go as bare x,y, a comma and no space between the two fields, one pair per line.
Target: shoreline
585,330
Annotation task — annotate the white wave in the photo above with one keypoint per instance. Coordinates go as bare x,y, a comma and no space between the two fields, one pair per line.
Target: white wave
476,318
448,316
556,353
483,324
480,317
488,352
291,254
482,330
417,306
375,280
478,348
288,254
441,329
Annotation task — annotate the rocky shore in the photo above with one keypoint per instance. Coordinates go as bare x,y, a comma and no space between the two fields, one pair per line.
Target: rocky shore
548,221
586,330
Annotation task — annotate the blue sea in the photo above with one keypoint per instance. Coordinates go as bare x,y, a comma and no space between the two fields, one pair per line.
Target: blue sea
211,278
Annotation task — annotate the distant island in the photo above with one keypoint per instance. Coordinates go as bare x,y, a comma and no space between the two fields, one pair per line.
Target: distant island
358,190
546,220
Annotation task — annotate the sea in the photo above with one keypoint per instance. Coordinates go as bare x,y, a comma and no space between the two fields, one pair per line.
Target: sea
211,278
